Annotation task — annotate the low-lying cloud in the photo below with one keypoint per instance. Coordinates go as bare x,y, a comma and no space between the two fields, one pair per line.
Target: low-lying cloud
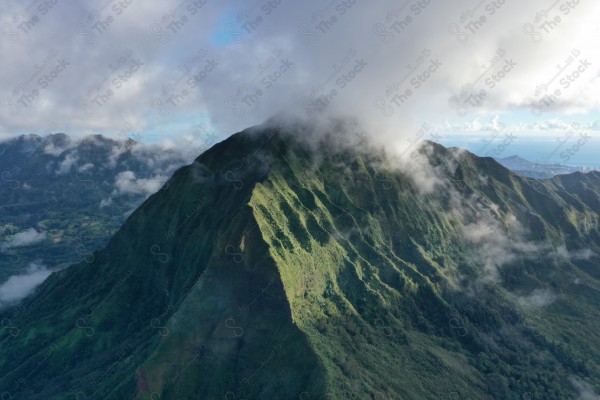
127,183
586,390
17,287
573,255
538,298
491,245
25,238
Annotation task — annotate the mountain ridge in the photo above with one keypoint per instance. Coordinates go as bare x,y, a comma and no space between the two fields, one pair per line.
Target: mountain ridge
267,270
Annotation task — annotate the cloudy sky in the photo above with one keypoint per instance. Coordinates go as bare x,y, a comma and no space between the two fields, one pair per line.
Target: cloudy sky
466,72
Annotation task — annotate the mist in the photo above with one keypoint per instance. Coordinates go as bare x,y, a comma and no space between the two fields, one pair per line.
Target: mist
18,287
206,69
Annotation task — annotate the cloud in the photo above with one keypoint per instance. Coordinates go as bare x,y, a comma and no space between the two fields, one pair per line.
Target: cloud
494,239
24,238
115,154
85,167
106,202
168,154
55,150
496,126
594,126
233,76
581,254
586,390
492,246
127,183
426,177
538,298
17,287
64,167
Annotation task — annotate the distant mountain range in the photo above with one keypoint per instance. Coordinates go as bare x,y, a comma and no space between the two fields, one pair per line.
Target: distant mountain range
63,197
284,264
537,170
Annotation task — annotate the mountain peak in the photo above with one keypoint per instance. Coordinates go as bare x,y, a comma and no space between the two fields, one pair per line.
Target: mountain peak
285,262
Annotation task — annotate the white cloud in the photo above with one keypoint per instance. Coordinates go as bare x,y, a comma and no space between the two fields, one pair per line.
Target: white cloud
54,150
115,153
582,254
538,298
64,167
127,183
246,64
106,202
85,167
17,287
491,244
586,390
594,126
24,238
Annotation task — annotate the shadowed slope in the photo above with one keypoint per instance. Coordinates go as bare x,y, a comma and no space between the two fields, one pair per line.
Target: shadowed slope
274,268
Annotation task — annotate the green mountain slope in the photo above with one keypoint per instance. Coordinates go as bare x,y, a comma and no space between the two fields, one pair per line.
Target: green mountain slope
275,269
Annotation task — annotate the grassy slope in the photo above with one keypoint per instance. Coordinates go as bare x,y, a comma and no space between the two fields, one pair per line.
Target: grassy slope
366,264
174,263
262,272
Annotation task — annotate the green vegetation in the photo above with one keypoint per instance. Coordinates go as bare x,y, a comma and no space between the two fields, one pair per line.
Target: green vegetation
266,270
64,189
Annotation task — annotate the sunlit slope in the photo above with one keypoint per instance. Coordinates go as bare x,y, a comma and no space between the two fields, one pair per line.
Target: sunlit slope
275,269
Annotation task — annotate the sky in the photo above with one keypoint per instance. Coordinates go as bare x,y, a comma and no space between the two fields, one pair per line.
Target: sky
503,76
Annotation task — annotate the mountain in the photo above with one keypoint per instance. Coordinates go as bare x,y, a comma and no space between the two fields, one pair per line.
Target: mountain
538,170
63,197
516,162
282,264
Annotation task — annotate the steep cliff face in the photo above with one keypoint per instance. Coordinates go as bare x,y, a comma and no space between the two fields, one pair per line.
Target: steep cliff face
273,268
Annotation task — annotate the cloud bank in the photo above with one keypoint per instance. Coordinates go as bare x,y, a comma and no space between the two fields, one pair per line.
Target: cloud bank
586,391
202,68
127,183
24,238
17,287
